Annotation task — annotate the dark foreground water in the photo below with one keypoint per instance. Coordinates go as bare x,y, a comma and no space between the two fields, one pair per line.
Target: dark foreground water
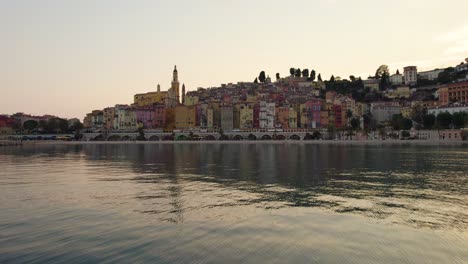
226,203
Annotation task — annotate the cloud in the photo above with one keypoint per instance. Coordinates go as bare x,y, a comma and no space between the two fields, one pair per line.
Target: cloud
456,40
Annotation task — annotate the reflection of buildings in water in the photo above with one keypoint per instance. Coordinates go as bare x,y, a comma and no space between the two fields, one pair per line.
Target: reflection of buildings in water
304,173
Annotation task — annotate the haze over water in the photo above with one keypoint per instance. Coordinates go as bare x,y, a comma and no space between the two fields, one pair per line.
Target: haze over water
230,203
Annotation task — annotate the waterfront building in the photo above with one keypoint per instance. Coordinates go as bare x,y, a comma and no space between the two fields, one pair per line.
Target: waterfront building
109,116
336,116
227,118
384,111
282,117
185,117
97,119
125,118
455,92
310,113
410,75
210,118
144,117
246,114
292,118
267,114
87,121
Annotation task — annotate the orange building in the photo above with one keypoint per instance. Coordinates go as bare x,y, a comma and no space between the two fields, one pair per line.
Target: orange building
456,92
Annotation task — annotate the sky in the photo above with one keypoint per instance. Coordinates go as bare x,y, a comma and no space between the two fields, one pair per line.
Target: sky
67,58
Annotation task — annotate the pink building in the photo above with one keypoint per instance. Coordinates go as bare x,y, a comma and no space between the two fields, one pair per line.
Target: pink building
151,116
311,113
159,120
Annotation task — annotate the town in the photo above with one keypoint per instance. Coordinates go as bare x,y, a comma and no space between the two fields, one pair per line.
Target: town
419,105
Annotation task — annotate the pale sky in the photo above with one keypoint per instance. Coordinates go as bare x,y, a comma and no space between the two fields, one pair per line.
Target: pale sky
67,58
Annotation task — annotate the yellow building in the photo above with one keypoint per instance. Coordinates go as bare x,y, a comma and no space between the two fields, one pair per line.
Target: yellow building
406,112
148,99
191,100
209,117
282,116
246,114
185,117
292,118
109,116
170,119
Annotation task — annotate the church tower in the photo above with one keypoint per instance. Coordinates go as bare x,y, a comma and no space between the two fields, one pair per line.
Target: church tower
159,88
183,93
175,84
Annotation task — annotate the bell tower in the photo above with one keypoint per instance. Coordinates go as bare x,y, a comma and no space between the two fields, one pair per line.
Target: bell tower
175,84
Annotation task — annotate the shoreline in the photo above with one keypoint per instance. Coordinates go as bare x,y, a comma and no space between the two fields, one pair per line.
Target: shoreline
263,142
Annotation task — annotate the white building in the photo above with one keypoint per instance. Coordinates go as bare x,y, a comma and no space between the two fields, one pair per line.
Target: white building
396,79
462,66
450,109
430,75
125,118
383,111
410,75
267,115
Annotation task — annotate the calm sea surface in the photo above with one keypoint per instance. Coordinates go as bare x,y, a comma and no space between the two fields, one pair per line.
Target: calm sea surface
231,203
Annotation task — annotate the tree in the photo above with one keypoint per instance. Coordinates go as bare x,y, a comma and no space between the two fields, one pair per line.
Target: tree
277,76
256,80
305,73
459,119
30,125
399,122
319,78
76,126
332,79
355,123
428,121
141,134
352,78
316,135
298,72
406,123
444,120
312,75
384,81
381,71
292,71
262,77
417,113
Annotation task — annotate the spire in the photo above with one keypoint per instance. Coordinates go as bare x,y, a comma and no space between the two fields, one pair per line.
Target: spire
183,93
159,88
175,77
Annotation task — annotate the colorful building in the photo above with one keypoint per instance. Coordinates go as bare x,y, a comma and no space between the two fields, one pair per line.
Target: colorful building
227,117
267,115
185,117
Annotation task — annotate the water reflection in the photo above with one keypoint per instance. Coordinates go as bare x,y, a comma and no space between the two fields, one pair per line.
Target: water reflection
418,186
213,202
